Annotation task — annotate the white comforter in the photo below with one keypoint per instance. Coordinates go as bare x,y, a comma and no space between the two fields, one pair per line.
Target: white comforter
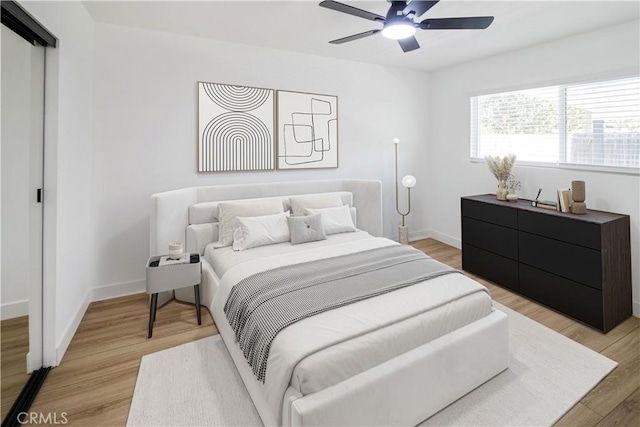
325,349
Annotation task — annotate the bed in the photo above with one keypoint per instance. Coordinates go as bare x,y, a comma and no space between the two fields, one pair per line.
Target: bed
392,359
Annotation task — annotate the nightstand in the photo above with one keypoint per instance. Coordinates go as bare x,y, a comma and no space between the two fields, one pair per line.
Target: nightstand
169,277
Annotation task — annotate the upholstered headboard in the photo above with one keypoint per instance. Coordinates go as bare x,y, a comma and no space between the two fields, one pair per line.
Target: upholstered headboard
170,210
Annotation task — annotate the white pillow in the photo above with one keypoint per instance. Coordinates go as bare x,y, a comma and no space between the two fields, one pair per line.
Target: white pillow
314,201
209,211
352,211
200,235
335,220
229,211
251,232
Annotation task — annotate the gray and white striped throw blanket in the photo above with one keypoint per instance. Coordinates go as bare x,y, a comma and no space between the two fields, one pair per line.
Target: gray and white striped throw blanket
263,304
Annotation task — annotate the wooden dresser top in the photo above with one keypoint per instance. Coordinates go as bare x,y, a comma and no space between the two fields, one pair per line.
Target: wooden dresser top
598,217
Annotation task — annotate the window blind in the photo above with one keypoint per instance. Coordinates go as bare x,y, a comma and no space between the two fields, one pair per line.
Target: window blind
581,124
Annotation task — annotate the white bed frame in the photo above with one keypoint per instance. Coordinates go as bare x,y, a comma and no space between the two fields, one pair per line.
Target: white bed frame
402,391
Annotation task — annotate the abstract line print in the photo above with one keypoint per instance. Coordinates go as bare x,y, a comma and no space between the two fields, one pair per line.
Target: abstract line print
235,128
307,130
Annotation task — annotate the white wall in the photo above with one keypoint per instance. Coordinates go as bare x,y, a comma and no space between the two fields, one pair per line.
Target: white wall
609,52
68,265
122,117
145,130
16,134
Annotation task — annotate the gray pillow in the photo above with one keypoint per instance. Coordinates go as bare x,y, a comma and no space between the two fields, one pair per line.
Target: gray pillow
305,229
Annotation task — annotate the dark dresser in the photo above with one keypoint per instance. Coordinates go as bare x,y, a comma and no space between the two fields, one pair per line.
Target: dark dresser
579,265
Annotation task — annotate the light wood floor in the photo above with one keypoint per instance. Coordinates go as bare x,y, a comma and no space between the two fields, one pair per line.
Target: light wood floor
14,348
94,384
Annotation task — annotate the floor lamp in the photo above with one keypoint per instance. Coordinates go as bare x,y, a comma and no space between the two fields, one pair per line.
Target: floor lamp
408,182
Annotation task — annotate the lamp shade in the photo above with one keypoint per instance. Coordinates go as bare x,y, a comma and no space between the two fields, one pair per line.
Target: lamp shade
396,140
408,181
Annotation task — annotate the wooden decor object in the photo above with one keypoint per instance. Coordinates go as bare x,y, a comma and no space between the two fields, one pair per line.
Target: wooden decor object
578,195
578,265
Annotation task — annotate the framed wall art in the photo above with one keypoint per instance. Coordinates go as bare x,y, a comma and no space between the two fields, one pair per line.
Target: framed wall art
307,130
235,128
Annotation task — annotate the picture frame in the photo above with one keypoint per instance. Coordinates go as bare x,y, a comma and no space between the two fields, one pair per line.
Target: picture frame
307,130
236,128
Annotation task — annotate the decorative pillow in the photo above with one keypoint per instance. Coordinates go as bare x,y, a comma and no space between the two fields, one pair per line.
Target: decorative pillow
251,232
229,211
314,201
335,220
305,229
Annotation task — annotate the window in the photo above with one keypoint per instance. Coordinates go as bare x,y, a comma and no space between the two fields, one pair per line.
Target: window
595,124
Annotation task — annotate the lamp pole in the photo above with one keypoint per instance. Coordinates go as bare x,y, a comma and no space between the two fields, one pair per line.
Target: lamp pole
402,230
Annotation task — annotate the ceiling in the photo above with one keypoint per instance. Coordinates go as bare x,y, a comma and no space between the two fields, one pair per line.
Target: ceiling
303,26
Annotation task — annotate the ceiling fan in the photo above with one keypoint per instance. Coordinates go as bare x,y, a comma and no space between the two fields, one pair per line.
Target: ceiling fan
399,23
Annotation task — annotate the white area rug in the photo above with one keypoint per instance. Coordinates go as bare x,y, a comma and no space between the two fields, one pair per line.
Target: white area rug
197,384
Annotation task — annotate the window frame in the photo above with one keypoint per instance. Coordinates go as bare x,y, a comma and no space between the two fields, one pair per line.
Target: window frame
562,86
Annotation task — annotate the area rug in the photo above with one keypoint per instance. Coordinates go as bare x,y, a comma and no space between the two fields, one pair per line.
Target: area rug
197,384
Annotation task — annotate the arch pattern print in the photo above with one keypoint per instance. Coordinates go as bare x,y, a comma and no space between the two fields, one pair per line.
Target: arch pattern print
307,130
235,128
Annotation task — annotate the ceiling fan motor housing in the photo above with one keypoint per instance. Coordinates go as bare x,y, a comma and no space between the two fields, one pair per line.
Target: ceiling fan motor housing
396,12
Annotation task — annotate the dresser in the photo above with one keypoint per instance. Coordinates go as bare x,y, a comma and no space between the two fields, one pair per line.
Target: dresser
579,265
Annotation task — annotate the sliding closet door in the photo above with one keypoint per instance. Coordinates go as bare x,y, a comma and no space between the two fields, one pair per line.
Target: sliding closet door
21,175
35,196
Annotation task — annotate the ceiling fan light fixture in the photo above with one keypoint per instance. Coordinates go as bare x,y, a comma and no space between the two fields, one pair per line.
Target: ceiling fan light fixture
399,24
398,30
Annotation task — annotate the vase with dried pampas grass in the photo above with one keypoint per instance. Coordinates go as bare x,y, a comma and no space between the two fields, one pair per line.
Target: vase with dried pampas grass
501,167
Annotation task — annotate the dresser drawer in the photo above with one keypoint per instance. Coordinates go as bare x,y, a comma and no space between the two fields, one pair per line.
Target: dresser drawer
493,238
495,268
566,229
487,212
578,301
575,263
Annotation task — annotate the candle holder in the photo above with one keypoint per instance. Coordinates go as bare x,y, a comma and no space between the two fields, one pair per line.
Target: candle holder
176,249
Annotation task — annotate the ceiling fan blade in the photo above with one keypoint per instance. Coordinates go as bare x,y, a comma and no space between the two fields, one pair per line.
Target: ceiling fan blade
409,44
418,7
475,23
355,37
344,8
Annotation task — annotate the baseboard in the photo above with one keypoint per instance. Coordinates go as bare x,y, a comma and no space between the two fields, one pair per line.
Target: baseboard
118,290
445,238
14,309
95,294
636,308
431,234
419,235
64,342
